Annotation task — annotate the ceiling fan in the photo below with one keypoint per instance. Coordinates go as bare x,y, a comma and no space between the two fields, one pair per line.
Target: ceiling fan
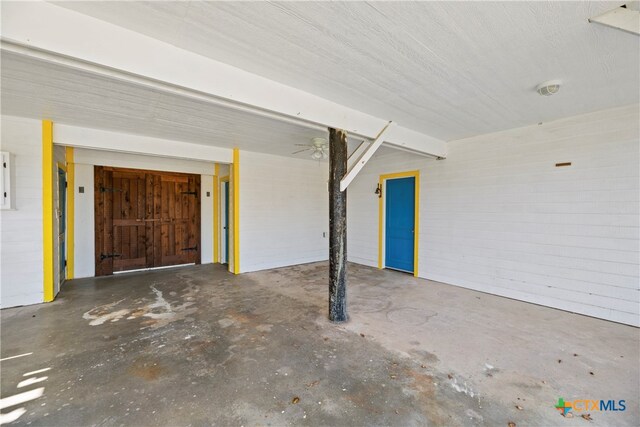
318,146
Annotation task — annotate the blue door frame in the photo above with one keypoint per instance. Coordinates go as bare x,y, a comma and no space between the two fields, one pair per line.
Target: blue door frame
400,224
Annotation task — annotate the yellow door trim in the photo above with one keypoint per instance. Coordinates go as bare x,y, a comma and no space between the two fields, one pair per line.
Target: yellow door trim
236,211
216,214
47,210
381,219
71,197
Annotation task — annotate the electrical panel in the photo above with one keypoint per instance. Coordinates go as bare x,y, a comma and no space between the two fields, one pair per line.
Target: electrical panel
7,196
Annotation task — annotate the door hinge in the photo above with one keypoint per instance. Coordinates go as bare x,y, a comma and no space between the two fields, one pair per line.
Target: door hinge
66,184
65,262
113,190
105,256
195,248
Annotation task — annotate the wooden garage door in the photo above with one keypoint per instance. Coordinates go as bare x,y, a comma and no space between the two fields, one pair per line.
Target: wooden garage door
145,219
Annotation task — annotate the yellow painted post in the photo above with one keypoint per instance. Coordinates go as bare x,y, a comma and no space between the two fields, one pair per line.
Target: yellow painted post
236,211
70,238
216,214
47,209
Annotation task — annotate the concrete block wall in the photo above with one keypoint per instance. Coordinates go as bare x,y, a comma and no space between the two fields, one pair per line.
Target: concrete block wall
284,211
498,216
21,229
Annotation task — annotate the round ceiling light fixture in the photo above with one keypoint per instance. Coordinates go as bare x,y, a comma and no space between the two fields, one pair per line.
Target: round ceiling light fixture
320,148
548,88
318,142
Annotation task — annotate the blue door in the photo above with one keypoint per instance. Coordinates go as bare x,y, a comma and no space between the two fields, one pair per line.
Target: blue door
400,222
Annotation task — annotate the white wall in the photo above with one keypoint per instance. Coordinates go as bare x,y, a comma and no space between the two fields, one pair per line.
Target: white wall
206,218
499,217
283,211
84,247
21,229
84,203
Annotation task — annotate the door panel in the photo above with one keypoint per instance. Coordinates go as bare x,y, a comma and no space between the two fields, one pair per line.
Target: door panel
145,219
104,235
178,225
400,222
128,221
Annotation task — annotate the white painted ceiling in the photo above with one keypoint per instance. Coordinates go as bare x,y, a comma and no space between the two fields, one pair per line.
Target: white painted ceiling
447,69
39,89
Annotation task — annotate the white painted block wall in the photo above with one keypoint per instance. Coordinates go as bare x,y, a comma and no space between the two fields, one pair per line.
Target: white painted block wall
498,216
206,219
84,221
284,211
21,229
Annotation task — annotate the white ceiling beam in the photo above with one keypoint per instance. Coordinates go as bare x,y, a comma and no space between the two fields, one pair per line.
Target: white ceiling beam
366,156
101,47
80,137
623,18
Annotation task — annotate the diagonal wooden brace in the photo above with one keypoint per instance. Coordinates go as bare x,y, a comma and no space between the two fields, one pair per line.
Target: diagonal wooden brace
357,166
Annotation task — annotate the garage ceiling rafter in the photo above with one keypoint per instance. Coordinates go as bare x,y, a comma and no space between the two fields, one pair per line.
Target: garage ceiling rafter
41,29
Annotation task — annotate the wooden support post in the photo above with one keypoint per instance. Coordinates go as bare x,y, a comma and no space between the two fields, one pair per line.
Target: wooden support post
337,226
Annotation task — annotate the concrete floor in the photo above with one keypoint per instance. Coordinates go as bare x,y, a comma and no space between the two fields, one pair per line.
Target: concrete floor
199,346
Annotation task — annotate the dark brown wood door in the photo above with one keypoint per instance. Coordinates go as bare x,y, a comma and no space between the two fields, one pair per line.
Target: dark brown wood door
176,219
145,219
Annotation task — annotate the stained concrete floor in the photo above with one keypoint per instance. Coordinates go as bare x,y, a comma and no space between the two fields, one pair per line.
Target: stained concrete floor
199,346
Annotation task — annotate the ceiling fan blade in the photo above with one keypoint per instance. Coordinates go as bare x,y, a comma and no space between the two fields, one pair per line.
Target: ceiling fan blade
300,151
302,145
